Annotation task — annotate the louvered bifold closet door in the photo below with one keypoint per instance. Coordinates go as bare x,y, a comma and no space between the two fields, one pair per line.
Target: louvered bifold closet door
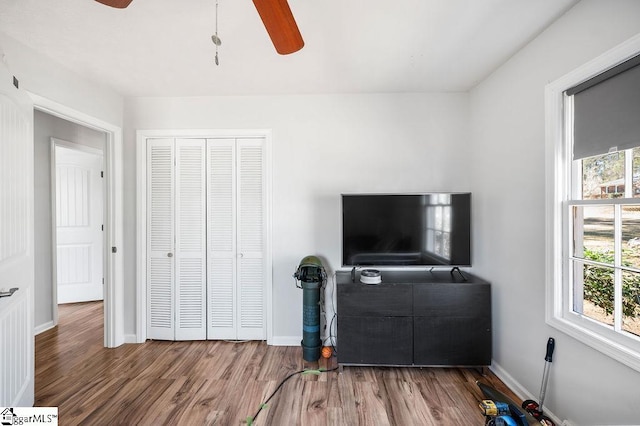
236,238
160,238
251,238
190,228
221,239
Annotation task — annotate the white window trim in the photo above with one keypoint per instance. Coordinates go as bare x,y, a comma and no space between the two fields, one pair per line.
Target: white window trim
558,151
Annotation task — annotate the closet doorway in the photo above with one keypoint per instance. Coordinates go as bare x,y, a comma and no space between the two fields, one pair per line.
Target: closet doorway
204,262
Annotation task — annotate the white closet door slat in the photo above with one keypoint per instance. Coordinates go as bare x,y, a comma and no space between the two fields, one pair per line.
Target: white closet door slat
160,229
190,225
222,300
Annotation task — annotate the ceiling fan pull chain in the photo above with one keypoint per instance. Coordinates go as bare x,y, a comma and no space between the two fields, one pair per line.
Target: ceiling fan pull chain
214,38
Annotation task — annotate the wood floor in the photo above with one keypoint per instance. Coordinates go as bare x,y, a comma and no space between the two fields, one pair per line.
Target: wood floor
225,383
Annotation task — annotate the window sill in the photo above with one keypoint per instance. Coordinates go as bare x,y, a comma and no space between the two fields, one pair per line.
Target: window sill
596,340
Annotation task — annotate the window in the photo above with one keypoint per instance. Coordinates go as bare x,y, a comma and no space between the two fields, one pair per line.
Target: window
604,252
593,232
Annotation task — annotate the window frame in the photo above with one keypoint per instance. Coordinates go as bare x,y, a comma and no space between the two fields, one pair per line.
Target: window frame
559,169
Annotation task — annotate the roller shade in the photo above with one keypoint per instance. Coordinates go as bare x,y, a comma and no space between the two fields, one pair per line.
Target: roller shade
607,111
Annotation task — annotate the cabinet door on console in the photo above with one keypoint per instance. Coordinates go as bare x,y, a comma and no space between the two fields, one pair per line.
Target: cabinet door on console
452,324
452,341
375,340
375,325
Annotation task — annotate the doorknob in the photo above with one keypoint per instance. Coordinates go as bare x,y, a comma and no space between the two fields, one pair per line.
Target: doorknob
169,254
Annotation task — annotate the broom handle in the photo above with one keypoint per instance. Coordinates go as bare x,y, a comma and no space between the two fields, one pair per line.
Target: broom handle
551,344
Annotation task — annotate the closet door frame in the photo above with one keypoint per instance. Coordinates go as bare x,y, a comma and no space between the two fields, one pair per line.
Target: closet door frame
141,214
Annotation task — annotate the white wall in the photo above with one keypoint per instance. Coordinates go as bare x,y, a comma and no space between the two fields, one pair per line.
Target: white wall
43,76
45,127
56,84
322,146
508,181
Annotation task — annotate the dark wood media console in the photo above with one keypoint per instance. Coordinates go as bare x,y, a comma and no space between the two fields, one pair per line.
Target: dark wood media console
414,318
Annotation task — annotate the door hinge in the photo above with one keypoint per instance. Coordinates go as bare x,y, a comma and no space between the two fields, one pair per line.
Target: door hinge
114,250
102,227
101,174
103,281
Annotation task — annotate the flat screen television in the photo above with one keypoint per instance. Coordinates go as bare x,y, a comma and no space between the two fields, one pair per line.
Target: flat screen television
429,229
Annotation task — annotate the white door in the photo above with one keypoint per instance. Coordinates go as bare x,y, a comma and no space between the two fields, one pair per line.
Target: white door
160,239
79,225
251,239
176,240
16,245
221,239
236,238
190,237
206,230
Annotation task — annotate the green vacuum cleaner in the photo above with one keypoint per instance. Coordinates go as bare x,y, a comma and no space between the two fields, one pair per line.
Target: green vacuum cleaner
312,277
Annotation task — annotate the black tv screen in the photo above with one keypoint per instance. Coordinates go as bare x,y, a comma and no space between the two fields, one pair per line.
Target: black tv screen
431,229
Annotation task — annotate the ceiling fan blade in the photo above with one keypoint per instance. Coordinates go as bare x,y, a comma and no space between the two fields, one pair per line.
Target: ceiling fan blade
280,24
120,4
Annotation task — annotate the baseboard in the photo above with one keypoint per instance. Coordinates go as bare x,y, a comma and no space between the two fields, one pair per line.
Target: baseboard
518,389
26,396
43,327
511,383
131,338
285,341
275,341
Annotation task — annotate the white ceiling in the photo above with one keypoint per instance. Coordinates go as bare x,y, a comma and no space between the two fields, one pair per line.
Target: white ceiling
164,48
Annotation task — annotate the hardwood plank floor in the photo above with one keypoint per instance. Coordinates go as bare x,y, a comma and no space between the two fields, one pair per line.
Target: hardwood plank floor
224,383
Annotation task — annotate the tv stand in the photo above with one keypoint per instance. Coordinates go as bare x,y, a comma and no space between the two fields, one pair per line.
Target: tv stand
413,319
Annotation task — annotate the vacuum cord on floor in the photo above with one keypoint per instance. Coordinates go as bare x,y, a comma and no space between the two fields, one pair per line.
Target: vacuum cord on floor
250,420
